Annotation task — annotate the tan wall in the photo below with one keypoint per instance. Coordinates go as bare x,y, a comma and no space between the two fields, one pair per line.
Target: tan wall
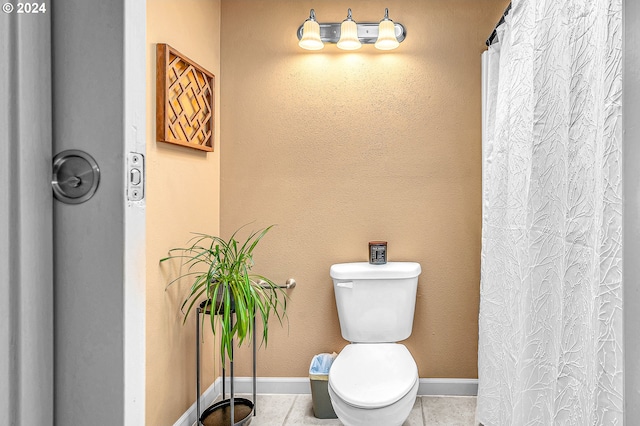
183,196
342,148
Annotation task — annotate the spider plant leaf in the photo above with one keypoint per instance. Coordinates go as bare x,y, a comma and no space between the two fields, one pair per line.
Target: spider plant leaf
181,277
193,299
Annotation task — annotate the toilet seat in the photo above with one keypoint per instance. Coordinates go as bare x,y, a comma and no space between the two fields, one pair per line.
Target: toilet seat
373,375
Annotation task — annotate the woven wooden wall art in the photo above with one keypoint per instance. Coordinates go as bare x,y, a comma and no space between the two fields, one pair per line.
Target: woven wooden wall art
184,100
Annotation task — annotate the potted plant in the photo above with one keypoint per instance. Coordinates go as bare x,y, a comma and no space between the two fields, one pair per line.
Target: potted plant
224,287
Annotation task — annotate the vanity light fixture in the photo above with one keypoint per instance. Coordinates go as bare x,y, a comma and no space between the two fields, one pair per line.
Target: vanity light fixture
387,39
310,39
350,35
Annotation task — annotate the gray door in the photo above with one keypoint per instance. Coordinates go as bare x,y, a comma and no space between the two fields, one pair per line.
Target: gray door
72,275
88,237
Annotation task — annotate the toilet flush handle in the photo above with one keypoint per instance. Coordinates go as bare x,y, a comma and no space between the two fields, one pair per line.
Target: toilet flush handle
346,284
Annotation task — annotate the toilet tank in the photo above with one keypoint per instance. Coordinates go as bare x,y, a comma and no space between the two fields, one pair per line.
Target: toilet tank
375,303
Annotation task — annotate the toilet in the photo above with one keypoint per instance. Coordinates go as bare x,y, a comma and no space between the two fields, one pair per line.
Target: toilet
374,380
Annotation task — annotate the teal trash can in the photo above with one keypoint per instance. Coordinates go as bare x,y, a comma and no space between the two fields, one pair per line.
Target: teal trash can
319,378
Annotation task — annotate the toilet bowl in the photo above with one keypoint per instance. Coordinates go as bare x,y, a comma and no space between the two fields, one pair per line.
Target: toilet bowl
373,384
374,380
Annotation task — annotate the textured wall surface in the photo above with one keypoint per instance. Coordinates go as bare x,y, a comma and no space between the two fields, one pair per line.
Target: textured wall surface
182,197
340,148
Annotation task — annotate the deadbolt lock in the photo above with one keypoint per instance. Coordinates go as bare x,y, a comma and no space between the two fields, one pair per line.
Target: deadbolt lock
76,176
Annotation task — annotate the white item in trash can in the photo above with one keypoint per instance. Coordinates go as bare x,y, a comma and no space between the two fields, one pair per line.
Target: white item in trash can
321,364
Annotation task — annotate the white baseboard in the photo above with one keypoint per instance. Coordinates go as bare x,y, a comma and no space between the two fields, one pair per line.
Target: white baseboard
271,385
448,387
208,397
301,385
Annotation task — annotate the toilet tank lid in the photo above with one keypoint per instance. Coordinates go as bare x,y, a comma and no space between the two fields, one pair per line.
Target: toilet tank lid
367,271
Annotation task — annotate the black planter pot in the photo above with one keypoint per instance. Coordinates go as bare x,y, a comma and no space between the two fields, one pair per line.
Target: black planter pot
219,414
205,305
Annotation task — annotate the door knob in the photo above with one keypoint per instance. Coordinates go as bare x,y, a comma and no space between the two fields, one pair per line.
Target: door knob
76,176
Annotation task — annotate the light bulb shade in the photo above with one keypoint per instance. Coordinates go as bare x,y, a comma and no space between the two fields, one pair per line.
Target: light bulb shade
349,36
386,36
311,36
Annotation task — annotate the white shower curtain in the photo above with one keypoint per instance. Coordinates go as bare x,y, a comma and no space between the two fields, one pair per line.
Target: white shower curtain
550,345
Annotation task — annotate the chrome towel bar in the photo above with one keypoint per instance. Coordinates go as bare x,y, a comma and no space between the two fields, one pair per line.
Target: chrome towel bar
290,283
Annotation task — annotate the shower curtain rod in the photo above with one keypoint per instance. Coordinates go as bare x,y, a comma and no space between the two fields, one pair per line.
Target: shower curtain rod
494,34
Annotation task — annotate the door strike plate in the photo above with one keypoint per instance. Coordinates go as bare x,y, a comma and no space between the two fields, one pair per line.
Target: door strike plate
135,176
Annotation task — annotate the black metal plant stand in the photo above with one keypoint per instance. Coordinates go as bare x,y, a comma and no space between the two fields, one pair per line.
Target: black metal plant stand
233,411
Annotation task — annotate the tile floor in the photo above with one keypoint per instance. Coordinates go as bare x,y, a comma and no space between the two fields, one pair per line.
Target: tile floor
280,410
